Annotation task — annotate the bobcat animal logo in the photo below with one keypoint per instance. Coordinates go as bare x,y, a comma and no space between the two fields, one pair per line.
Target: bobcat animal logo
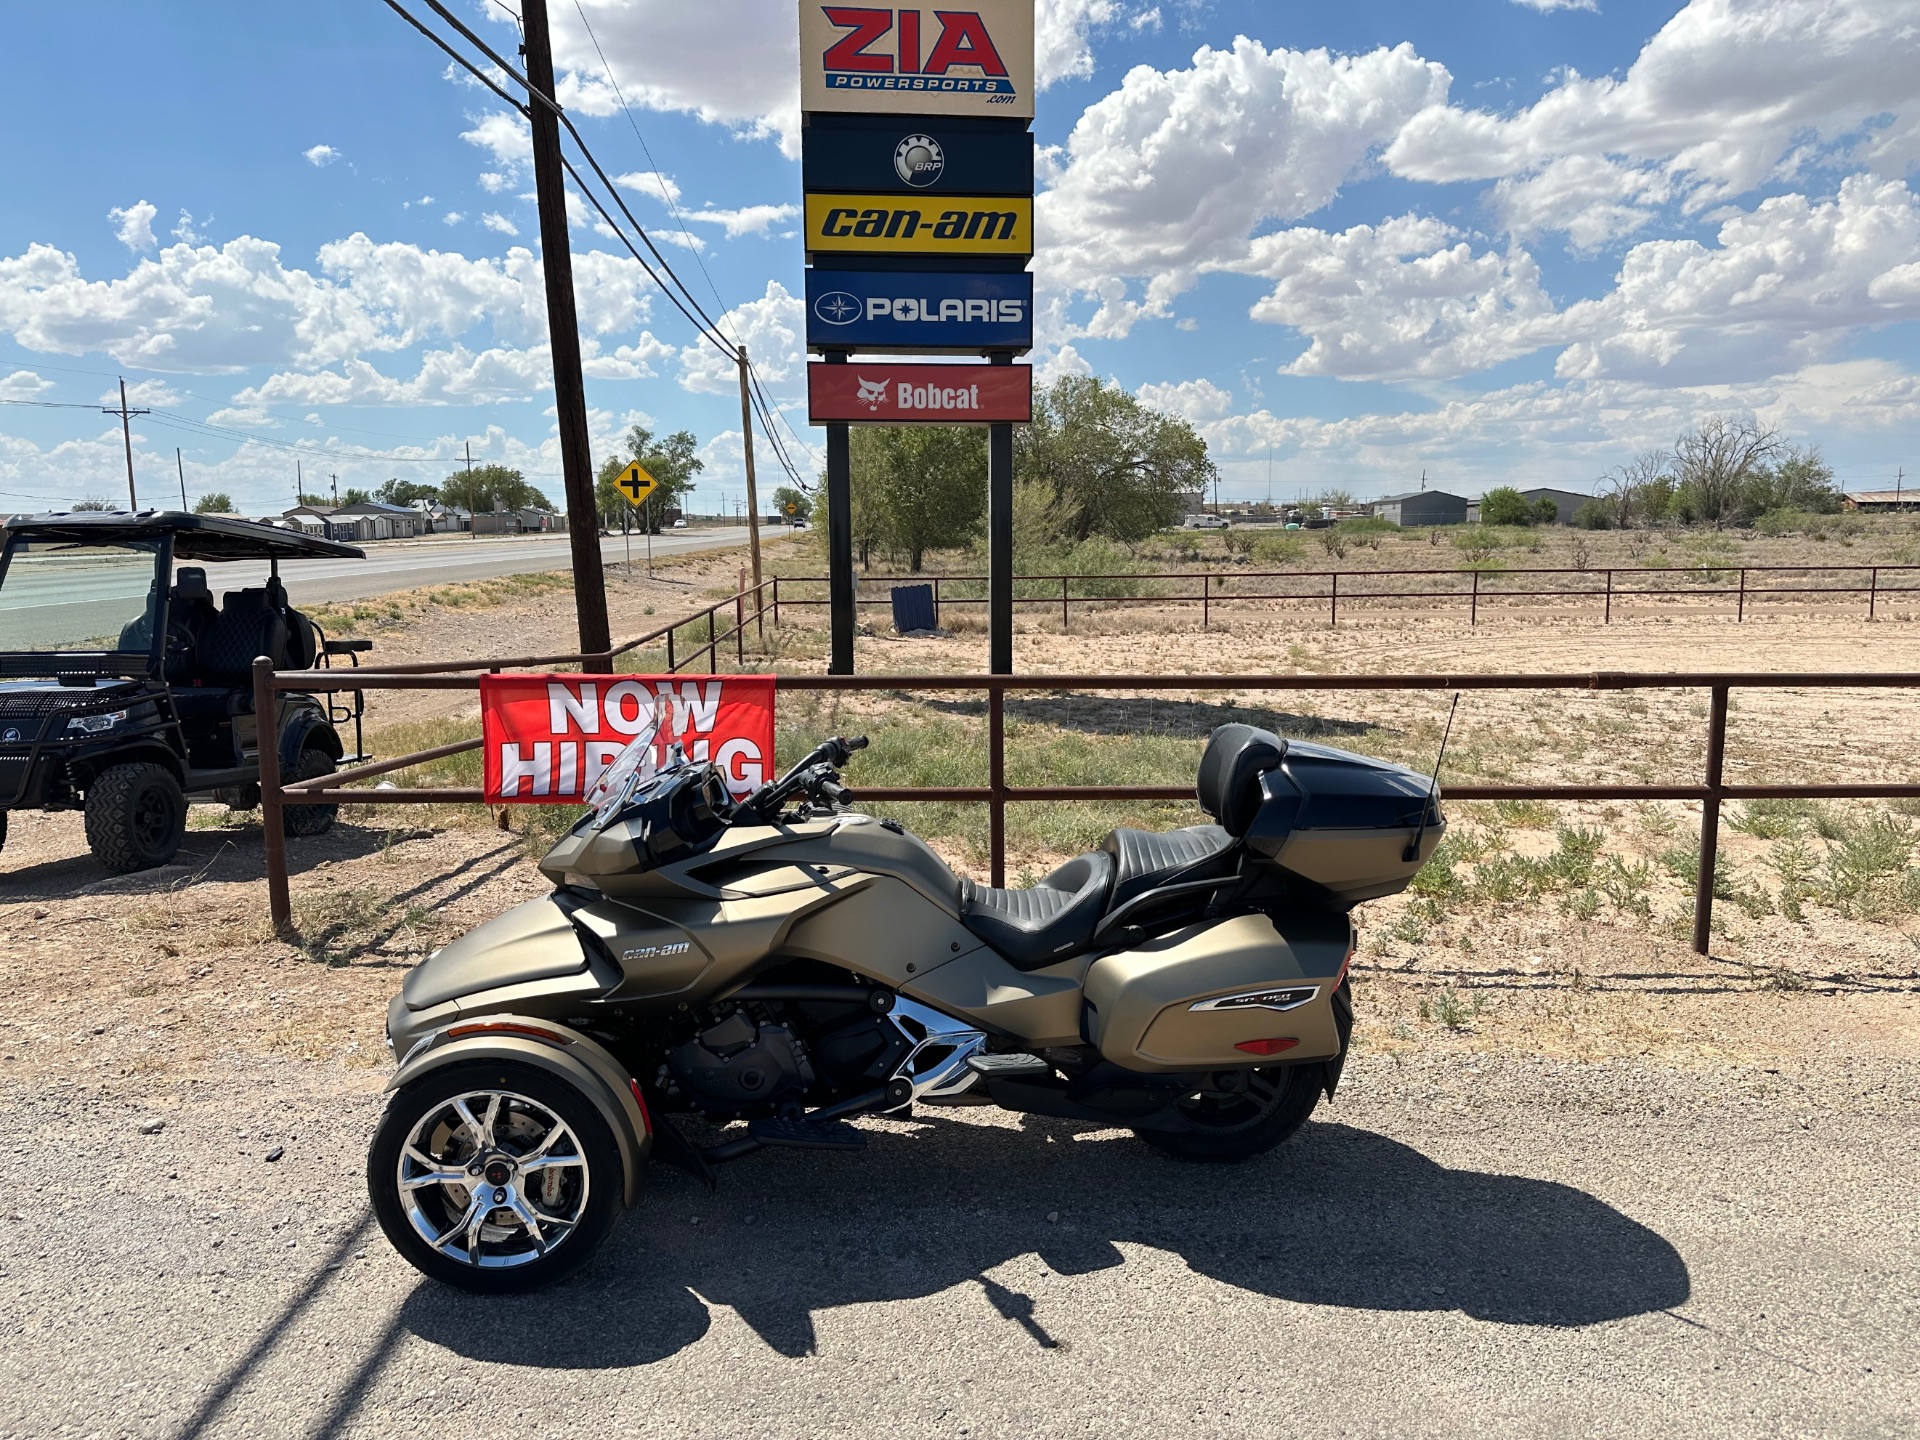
872,393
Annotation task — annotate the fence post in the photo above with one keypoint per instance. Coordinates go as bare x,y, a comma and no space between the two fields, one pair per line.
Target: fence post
713,643
1206,599
997,782
1608,618
1063,605
272,826
671,667
1873,590
1710,821
1473,605
1740,614
740,629
1333,601
936,602
776,602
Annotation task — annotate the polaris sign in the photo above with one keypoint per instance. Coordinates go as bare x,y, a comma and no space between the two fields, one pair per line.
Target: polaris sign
920,313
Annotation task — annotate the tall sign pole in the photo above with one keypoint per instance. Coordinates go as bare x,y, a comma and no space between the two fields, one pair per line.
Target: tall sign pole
918,165
563,325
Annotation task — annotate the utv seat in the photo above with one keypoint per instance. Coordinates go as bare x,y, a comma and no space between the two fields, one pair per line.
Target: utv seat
1049,922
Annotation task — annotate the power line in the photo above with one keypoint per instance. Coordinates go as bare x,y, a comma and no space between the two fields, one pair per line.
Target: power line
665,194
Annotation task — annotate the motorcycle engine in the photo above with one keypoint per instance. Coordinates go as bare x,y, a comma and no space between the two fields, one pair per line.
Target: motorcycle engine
740,1063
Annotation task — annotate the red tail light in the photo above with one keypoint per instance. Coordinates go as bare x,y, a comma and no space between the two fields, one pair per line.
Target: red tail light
1268,1047
641,1100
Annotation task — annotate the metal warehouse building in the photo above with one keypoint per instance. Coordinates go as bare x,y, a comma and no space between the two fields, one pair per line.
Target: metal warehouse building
1422,507
1566,502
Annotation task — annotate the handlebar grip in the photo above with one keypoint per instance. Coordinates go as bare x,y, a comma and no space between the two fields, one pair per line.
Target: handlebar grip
835,795
857,742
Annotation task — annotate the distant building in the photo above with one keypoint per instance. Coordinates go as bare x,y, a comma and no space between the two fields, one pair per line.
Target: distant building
1880,500
442,519
1422,507
377,520
1566,503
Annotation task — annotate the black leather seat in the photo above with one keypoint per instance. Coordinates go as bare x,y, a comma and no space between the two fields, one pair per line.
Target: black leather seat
1146,860
1049,922
1056,917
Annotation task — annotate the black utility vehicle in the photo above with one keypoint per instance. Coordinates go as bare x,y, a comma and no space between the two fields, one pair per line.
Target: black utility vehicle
156,710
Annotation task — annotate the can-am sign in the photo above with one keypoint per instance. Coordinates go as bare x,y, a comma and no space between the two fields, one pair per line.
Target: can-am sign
972,59
547,738
882,393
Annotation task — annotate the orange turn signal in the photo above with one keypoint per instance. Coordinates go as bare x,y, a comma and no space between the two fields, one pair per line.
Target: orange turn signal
1268,1047
507,1027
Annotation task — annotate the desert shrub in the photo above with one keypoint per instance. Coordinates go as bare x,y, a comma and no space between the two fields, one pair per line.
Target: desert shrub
1477,542
1505,505
1279,549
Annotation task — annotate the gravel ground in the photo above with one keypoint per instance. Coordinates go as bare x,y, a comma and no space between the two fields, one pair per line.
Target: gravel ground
1484,1245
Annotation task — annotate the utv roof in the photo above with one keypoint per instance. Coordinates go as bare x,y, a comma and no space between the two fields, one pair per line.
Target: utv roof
195,537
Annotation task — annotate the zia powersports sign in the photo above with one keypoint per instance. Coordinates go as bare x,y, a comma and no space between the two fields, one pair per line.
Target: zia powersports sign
547,738
920,312
898,393
972,59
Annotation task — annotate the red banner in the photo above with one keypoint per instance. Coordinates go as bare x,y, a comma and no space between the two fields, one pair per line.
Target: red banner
547,738
874,392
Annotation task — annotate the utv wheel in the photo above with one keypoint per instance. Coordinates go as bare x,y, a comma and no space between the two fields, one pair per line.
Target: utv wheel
310,819
1232,1126
136,817
493,1176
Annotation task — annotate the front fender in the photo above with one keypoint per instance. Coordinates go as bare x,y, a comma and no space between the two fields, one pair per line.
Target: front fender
564,1053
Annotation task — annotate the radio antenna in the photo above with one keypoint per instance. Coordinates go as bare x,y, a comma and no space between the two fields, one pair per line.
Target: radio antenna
1412,852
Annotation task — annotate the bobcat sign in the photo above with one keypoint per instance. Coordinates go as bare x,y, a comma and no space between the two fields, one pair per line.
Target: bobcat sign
972,59
546,738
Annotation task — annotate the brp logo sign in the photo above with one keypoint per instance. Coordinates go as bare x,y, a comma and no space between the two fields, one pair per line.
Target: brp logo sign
837,307
918,160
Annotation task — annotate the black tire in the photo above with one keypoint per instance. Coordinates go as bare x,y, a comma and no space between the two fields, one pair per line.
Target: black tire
305,820
1231,1128
136,817
509,1269
3,829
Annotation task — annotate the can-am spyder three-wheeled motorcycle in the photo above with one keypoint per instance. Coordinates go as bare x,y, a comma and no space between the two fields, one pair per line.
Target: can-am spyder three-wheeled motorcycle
787,962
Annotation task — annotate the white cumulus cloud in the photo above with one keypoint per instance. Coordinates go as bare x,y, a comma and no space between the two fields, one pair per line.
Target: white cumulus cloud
133,226
320,155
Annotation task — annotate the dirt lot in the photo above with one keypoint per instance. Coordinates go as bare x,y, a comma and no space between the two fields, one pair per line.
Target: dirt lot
1537,1010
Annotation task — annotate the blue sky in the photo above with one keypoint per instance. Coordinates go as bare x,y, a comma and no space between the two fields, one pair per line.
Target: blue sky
1486,241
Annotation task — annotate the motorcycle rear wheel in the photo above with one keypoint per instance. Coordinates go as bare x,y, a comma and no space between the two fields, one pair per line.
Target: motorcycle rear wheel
1231,1128
493,1176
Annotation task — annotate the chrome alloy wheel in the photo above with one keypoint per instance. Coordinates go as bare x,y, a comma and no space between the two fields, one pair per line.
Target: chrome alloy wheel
493,1179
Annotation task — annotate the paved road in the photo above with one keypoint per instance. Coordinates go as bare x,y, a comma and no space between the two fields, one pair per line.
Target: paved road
44,604
1494,1248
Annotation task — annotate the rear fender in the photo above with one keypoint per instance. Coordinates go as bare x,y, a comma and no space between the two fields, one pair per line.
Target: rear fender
563,1053
307,727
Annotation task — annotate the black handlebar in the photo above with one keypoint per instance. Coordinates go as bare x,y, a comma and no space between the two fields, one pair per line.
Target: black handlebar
815,774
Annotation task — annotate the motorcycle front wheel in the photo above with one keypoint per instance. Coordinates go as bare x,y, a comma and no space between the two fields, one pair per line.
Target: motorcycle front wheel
1229,1125
493,1176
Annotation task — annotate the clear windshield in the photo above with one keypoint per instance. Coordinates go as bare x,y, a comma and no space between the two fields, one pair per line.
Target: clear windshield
650,754
61,596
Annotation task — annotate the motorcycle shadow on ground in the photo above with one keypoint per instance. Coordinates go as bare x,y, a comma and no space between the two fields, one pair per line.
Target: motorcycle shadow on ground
1340,1217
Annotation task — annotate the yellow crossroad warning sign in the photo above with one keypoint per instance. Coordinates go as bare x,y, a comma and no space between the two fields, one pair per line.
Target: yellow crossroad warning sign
634,483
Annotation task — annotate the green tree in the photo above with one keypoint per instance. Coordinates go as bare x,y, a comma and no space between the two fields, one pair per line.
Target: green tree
1505,506
306,499
216,501
926,484
406,492
1545,511
355,496
479,488
792,503
1114,466
1718,464
673,462
90,505
1799,480
1594,515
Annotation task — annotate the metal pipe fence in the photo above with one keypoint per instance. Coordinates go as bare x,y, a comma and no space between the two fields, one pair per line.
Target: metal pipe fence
1470,587
1710,791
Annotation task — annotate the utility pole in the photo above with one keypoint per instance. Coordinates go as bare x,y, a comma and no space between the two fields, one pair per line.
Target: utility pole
181,466
299,485
753,496
126,433
336,490
569,388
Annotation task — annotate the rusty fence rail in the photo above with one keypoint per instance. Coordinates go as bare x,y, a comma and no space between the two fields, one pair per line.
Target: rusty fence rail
1711,790
1472,587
